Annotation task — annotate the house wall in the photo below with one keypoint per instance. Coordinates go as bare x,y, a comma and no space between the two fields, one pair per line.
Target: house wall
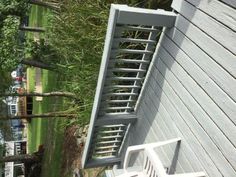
13,148
190,91
9,166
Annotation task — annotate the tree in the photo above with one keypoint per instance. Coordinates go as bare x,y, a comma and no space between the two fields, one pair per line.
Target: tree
5,131
5,80
14,8
31,29
28,159
43,116
21,7
48,94
20,158
50,5
32,162
12,49
36,63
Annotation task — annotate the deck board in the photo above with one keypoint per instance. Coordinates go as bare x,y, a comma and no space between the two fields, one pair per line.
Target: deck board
161,123
215,72
198,114
190,90
211,47
231,3
216,9
199,140
211,96
161,131
219,32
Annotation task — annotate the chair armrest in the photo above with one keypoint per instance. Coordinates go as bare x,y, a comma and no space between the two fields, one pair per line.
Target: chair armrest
129,152
194,174
150,147
162,143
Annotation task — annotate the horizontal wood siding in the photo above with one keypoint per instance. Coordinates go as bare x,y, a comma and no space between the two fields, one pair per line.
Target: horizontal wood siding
191,90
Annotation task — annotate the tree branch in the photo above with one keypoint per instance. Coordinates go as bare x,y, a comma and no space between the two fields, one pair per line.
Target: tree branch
43,116
49,94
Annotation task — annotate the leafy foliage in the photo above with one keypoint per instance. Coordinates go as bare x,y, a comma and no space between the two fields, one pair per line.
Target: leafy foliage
13,7
77,34
74,42
6,131
42,51
13,45
5,80
10,49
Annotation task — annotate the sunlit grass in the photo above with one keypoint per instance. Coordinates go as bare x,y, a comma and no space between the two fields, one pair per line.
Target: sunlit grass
77,33
48,132
43,131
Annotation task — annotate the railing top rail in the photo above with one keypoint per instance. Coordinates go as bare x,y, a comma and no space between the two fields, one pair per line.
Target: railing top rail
101,78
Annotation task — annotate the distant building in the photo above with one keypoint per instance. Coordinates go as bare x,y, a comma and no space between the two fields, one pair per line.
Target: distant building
12,103
13,169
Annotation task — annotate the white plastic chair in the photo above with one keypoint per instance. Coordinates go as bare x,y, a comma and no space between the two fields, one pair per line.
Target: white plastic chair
152,166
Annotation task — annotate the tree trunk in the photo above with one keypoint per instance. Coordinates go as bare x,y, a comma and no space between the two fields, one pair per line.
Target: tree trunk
44,4
11,10
45,115
49,94
32,29
20,158
36,63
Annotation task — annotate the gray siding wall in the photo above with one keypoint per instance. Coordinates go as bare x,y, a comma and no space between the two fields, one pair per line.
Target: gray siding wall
191,90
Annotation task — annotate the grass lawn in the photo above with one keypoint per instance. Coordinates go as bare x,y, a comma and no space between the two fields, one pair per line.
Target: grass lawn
48,132
37,18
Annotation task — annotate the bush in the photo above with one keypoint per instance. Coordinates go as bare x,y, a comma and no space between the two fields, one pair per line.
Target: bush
77,33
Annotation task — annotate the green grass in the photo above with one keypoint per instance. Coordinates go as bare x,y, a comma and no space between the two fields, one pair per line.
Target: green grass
48,132
53,155
77,33
37,18
37,127
34,129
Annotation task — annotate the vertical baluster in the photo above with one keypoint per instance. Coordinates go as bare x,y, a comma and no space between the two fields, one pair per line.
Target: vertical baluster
143,66
115,45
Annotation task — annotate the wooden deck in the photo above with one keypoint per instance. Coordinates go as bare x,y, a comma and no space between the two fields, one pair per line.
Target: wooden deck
190,91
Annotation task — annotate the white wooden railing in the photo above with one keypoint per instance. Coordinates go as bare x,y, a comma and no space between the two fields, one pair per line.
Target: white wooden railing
131,39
